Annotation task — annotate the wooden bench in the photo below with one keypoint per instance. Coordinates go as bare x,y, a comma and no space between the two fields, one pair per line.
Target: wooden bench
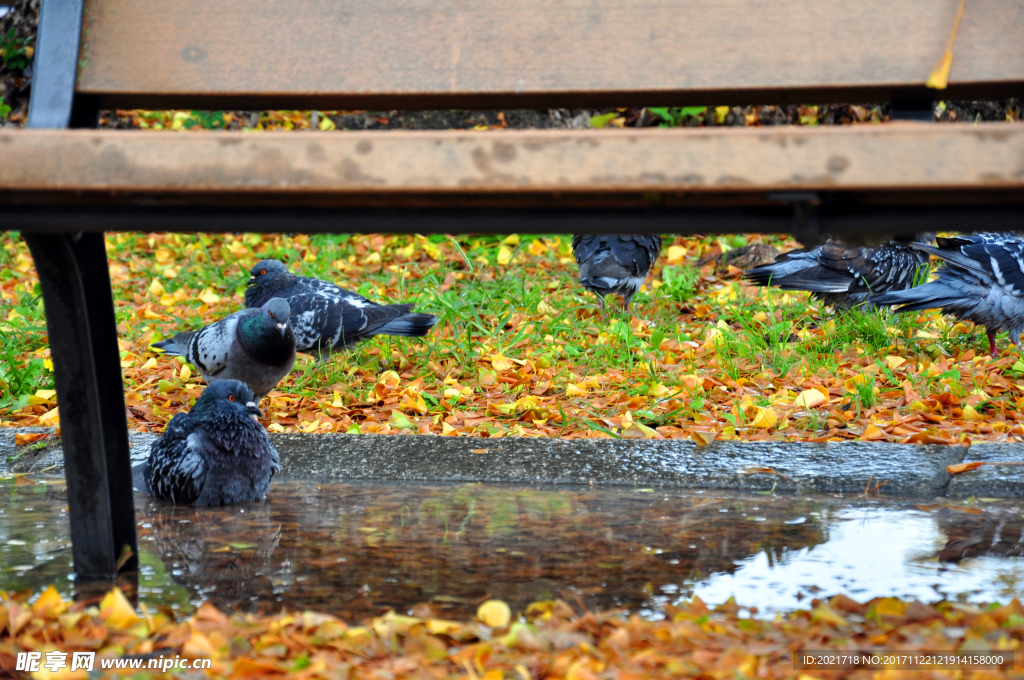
62,188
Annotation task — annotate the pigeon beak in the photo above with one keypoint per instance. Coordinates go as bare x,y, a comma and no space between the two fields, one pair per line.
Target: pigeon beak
283,327
254,410
252,280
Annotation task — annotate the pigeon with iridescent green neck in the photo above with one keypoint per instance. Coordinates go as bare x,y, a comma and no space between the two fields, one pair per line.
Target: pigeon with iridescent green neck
256,346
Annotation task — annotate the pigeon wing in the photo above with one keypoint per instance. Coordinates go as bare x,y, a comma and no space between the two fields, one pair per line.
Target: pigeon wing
210,348
313,319
177,466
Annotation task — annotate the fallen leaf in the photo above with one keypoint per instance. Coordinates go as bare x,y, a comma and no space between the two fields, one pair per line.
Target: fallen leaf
963,467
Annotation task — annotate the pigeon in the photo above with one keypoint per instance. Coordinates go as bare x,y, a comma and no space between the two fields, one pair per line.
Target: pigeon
615,264
256,346
326,318
845,277
216,454
981,279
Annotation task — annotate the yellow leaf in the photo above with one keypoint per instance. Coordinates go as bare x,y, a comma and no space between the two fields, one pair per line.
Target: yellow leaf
676,254
895,362
574,390
166,387
46,394
185,372
50,603
501,363
872,432
149,364
639,431
116,611
209,297
537,247
544,308
810,399
971,414
442,627
939,78
890,606
327,124
504,256
414,403
156,289
765,418
53,415
828,615
337,403
656,389
494,613
703,438
511,240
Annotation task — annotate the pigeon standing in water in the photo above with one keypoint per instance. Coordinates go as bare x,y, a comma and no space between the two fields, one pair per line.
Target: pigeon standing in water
327,318
256,346
216,454
615,264
846,277
981,280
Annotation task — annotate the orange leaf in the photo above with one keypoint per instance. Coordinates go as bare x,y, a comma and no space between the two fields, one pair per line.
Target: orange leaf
21,439
963,467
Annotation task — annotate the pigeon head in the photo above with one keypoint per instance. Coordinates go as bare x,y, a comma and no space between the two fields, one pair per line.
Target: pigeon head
226,397
266,271
275,313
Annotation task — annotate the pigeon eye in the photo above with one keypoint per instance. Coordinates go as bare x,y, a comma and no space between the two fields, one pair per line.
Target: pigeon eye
271,315
263,271
231,397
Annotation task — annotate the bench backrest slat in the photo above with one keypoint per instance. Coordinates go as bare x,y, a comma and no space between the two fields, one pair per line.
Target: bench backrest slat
538,53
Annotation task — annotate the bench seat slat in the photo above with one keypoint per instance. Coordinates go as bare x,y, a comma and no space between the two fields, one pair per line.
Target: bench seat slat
540,53
363,166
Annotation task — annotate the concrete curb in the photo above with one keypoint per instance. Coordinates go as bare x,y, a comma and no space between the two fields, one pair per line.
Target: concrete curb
848,467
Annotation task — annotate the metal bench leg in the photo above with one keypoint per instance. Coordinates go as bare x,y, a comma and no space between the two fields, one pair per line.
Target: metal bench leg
87,371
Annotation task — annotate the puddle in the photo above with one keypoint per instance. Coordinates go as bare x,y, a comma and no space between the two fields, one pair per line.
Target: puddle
360,549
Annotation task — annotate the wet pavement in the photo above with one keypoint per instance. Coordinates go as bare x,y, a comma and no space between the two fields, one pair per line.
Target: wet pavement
360,549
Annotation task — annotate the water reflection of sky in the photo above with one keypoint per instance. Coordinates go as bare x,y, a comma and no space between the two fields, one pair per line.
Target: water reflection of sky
877,552
359,549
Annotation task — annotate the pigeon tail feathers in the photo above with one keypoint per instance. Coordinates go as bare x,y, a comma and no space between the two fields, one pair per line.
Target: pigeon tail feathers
170,347
409,325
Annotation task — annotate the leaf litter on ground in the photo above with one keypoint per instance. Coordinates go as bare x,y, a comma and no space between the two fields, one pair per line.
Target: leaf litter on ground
549,639
520,348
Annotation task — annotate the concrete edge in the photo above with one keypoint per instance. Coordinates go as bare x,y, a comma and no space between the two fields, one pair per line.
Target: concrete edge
848,467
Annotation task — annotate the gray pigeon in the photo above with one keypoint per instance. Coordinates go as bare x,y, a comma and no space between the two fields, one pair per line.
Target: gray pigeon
615,264
981,280
327,318
845,277
256,346
216,454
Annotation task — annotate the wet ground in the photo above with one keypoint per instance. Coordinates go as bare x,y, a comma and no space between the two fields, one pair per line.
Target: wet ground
360,549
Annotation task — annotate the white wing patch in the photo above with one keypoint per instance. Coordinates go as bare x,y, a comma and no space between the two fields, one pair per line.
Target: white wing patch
357,301
211,347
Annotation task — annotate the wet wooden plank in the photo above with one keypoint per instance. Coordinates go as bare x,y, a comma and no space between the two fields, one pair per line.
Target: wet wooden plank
541,53
364,166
